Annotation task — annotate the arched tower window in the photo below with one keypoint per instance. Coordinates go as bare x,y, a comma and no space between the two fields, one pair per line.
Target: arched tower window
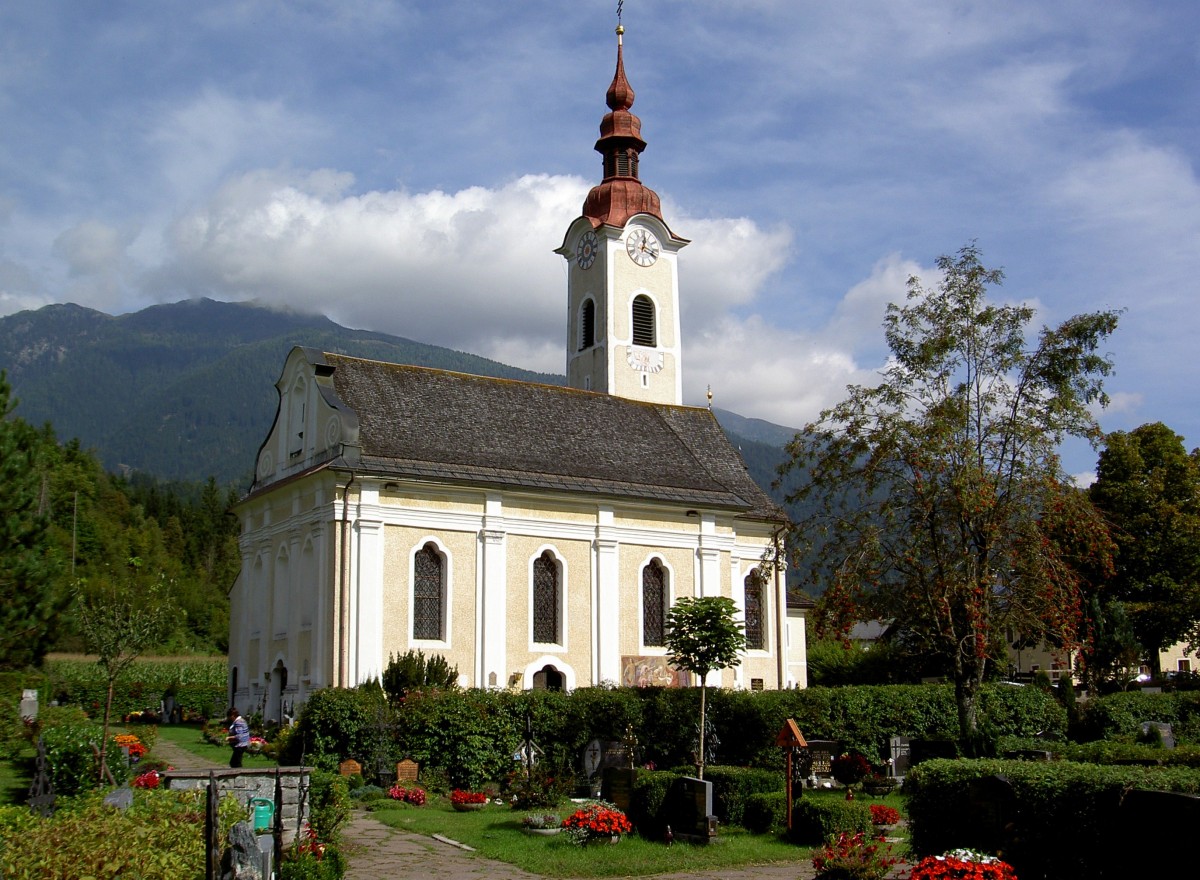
643,321
587,325
429,591
654,604
547,597
755,628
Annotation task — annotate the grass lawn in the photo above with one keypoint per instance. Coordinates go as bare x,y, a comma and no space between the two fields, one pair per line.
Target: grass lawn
187,737
495,832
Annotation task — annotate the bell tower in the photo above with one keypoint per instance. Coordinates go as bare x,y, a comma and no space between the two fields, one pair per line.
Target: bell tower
622,276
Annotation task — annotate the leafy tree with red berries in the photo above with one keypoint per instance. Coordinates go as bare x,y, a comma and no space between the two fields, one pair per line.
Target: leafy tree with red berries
937,496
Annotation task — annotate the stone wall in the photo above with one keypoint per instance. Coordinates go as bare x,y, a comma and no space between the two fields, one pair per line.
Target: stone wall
245,784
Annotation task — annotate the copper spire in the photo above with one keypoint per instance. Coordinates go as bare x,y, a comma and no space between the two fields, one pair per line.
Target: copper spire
621,194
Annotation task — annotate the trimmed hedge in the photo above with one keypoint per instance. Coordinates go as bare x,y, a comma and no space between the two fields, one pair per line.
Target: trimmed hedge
733,785
1067,817
816,819
1121,715
765,812
199,686
469,736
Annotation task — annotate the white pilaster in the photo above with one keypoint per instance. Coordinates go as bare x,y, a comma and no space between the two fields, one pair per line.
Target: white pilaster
710,557
607,611
493,625
368,644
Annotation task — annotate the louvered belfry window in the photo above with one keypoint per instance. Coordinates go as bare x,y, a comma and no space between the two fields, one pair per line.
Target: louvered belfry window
545,599
654,601
428,593
754,611
587,329
643,321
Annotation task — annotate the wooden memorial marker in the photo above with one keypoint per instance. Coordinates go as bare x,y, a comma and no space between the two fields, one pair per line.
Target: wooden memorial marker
350,767
406,770
790,738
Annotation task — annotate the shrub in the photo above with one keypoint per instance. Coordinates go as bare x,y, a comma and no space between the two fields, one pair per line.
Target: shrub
413,671
335,724
765,812
329,798
853,857
72,761
646,802
1121,715
815,820
1054,801
733,785
156,837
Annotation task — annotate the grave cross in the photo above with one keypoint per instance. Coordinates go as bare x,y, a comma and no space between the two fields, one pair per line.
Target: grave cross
41,792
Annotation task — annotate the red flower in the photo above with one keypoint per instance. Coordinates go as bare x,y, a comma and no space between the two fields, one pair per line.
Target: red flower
458,796
881,814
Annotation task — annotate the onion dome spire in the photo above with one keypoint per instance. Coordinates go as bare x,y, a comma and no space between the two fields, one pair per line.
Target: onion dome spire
620,194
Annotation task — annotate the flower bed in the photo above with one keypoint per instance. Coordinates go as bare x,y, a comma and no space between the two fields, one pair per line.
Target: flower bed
414,795
963,864
853,856
463,800
881,814
596,821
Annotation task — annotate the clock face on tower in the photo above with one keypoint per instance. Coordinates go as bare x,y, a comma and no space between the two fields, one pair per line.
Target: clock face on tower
641,245
585,252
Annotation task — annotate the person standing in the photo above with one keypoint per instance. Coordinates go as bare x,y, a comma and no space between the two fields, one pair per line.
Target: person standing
239,736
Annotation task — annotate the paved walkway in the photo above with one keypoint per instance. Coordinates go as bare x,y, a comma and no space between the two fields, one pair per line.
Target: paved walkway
376,852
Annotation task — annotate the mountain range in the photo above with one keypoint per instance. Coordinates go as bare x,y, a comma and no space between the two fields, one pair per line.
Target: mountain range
185,391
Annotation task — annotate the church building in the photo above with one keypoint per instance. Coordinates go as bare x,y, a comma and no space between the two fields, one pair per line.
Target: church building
533,535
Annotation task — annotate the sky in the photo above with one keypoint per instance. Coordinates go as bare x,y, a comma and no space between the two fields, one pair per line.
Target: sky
410,167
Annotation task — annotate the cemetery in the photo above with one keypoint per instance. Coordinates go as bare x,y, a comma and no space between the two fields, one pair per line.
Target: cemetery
604,781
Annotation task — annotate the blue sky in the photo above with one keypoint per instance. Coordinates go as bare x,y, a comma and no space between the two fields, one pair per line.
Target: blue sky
409,167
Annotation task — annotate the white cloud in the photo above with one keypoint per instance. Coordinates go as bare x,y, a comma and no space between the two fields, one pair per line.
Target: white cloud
472,270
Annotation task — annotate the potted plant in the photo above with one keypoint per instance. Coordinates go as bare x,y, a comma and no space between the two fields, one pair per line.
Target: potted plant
963,864
544,824
884,817
467,801
595,822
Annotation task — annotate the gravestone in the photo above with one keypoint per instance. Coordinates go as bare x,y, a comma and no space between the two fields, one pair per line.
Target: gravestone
992,808
120,798
243,859
688,810
822,752
617,787
900,755
29,705
1165,732
350,767
406,770
1173,816
926,749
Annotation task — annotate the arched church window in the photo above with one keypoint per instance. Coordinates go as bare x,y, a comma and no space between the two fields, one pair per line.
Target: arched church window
755,629
587,325
429,591
654,604
643,321
547,589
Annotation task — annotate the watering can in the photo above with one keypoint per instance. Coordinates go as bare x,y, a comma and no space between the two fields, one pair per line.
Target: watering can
264,812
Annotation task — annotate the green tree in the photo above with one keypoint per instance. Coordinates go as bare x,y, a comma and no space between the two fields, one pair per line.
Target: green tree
118,625
30,598
1148,487
932,493
703,635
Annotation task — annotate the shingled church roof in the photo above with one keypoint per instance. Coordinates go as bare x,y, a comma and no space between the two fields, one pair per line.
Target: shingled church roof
434,424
